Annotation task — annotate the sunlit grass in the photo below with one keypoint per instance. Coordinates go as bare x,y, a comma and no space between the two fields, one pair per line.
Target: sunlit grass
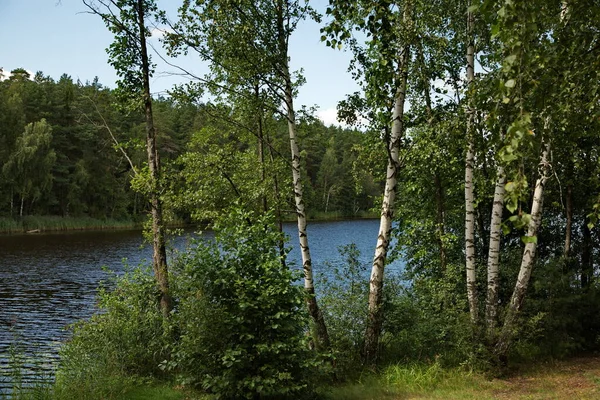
575,379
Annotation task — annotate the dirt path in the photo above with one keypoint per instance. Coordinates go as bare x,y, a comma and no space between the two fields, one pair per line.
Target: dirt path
574,379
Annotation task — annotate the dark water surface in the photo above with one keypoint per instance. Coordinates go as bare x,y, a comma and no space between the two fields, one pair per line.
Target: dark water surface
48,281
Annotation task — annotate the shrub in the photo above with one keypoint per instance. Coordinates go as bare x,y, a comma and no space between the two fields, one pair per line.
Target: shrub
126,339
241,318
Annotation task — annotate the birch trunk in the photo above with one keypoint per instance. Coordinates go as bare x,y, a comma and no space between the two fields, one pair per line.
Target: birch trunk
159,255
313,308
494,252
518,295
469,190
375,313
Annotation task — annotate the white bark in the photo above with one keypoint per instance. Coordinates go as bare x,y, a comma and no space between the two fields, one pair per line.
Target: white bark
494,251
313,308
471,273
518,295
375,316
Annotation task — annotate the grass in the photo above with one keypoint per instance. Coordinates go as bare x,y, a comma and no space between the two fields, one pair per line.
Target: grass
33,223
337,215
574,379
569,380
159,393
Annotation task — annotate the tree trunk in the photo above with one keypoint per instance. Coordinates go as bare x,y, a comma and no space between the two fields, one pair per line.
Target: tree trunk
315,313
277,202
469,190
569,224
518,295
375,313
587,265
261,147
439,190
494,253
22,202
441,230
159,256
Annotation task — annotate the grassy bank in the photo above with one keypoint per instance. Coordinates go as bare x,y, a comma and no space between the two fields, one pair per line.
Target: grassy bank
336,215
573,379
577,378
333,216
34,224
54,223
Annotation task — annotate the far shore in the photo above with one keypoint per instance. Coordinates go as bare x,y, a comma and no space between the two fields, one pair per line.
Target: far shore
33,224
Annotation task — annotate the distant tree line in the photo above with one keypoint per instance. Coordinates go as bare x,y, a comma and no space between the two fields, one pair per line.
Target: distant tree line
68,149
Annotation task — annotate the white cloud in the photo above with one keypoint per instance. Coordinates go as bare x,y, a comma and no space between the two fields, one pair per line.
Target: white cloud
329,117
5,75
159,33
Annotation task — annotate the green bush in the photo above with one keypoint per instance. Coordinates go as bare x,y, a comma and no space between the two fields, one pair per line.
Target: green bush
125,340
241,318
344,299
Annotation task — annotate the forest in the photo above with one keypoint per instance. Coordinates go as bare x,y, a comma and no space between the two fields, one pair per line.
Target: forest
68,151
474,136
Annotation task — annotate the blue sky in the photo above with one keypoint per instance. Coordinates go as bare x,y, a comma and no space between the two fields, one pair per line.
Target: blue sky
58,36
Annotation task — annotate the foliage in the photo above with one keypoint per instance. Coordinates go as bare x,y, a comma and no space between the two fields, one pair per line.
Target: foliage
242,326
343,299
90,177
237,331
126,339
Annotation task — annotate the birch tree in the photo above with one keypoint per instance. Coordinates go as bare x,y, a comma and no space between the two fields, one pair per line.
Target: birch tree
382,62
247,43
29,164
469,165
128,20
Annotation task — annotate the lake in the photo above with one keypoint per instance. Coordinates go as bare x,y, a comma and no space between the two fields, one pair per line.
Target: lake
48,281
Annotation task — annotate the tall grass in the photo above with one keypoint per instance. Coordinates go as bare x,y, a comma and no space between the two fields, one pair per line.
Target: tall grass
404,381
24,377
338,215
33,223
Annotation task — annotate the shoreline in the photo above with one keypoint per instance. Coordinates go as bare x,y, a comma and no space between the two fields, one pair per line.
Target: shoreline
31,225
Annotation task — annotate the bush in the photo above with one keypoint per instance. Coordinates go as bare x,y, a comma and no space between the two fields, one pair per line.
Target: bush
238,329
127,339
241,318
344,301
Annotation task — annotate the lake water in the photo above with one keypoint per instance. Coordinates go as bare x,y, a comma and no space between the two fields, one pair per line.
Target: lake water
48,281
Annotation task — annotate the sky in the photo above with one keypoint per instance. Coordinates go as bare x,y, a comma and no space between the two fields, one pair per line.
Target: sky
59,36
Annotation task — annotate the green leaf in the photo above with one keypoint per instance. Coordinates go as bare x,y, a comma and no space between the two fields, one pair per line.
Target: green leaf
529,239
510,59
510,83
